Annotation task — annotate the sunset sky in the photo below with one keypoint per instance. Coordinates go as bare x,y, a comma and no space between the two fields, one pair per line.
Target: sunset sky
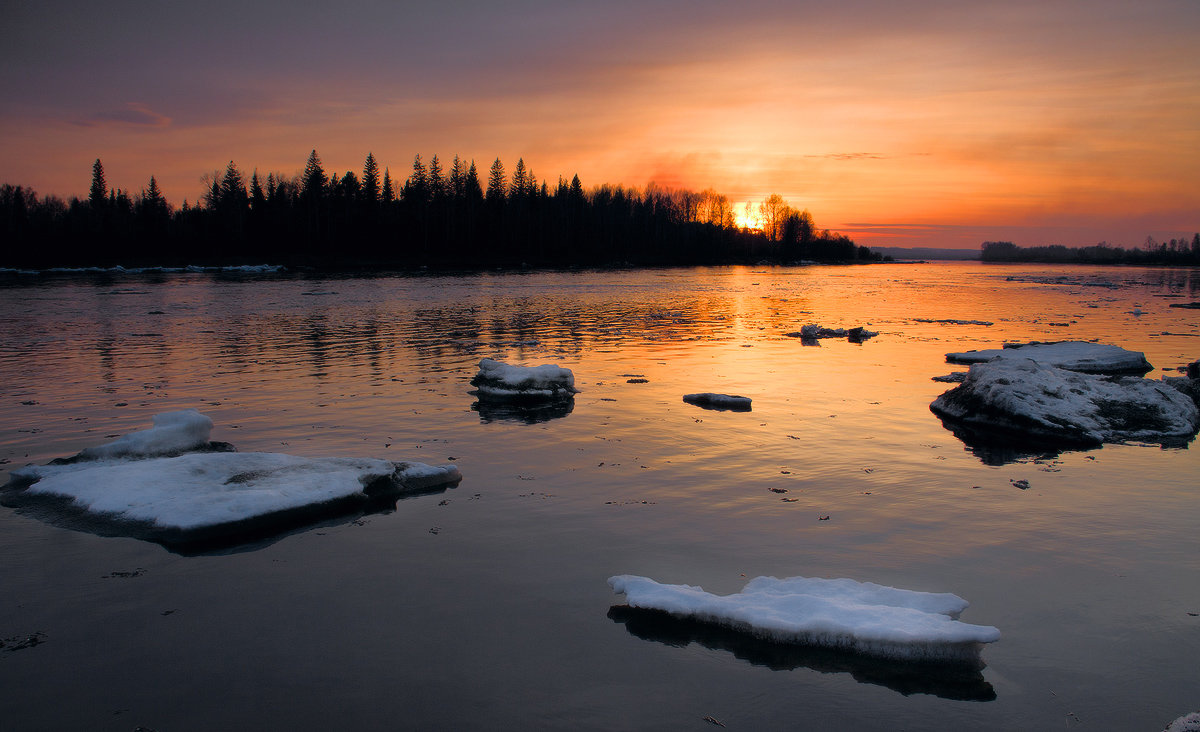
921,123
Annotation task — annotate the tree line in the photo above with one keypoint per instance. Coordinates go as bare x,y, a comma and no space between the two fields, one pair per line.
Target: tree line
1180,252
438,216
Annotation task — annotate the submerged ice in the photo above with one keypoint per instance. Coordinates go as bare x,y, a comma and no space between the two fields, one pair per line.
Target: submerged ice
862,617
144,480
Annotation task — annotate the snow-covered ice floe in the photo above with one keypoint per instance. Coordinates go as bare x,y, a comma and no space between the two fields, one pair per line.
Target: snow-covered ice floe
709,400
497,380
1089,358
844,614
1026,399
141,485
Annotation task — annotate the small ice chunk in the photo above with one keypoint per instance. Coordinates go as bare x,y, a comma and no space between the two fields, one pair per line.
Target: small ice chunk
840,613
172,433
1089,358
812,332
953,321
503,381
709,400
1022,397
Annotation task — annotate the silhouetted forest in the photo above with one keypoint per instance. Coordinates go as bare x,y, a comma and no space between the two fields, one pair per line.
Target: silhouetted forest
1181,251
436,217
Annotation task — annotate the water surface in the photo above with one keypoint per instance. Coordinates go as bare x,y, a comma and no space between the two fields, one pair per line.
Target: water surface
486,605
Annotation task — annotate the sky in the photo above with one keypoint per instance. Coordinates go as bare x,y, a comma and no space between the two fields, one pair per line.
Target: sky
923,123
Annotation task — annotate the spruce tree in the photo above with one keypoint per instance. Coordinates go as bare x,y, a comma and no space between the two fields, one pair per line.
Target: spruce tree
257,199
417,186
98,196
313,180
520,180
370,180
388,193
471,187
437,183
496,183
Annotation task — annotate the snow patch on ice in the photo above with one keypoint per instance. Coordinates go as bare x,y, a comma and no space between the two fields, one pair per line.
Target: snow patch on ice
504,381
840,613
172,433
709,400
1023,397
1089,358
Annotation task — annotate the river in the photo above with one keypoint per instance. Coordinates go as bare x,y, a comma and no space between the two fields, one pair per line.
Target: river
486,605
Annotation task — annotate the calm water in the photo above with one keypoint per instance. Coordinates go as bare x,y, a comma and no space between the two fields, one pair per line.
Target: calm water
486,607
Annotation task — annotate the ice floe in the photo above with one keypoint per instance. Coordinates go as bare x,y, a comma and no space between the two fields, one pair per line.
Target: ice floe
814,332
845,614
1090,358
497,380
709,400
1186,723
1023,398
141,485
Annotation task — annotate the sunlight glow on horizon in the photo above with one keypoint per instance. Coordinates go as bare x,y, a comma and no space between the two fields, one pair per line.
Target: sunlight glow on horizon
922,123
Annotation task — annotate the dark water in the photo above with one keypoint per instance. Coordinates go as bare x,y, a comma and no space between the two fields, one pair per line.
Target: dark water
486,607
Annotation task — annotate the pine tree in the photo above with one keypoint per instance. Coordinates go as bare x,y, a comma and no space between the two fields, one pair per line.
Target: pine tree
152,198
520,180
98,196
417,186
471,187
437,183
388,193
314,180
496,183
232,192
458,178
257,199
370,180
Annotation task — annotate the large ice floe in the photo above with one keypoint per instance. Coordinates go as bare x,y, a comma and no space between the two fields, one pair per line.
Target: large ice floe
171,484
497,380
720,402
1025,399
843,614
1090,358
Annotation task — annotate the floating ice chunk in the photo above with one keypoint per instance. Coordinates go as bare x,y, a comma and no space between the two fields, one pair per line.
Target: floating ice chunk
498,380
812,332
709,400
1089,358
142,484
840,613
172,433
1028,399
204,490
952,321
1186,723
